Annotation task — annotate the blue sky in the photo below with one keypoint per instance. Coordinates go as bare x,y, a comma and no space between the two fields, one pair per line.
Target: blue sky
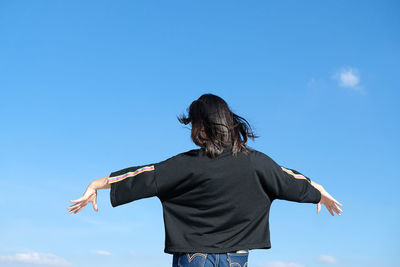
90,87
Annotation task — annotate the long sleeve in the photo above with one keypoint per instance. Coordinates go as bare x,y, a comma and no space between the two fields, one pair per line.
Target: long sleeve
161,179
132,183
283,183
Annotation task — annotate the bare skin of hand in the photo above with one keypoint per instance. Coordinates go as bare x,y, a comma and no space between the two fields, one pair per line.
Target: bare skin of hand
90,195
330,203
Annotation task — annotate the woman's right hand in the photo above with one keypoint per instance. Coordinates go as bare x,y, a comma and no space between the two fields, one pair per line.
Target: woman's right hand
330,203
90,195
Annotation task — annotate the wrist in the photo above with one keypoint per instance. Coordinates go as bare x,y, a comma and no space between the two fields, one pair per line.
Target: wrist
93,186
101,183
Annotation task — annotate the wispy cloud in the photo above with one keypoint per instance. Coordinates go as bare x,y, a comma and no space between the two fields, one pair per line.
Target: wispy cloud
317,83
326,259
281,264
35,258
133,253
101,252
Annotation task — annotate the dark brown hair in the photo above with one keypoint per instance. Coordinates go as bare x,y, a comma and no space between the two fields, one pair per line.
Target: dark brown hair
212,115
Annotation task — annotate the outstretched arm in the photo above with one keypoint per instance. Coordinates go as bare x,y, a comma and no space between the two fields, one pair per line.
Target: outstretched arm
90,195
330,203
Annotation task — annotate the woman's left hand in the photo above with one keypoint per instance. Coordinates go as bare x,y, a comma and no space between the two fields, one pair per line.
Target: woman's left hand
90,195
330,203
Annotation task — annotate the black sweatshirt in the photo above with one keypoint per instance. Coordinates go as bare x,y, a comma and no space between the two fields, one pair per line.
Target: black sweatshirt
213,205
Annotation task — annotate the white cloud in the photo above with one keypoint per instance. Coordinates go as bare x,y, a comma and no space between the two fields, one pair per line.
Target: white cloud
281,264
102,252
35,258
349,77
326,259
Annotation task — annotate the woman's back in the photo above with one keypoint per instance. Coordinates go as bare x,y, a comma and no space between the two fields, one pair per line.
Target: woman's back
213,205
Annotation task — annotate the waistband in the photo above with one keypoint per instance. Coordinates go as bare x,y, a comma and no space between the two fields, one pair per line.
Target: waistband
240,251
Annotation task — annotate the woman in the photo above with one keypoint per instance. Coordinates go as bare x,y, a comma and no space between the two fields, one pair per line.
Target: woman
216,199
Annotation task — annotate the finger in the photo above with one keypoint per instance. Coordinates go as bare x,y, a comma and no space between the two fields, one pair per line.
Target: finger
95,204
71,211
337,202
77,200
333,199
330,210
334,209
318,207
334,206
78,210
339,209
73,206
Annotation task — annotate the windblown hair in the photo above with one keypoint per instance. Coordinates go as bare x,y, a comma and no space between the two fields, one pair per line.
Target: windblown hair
212,115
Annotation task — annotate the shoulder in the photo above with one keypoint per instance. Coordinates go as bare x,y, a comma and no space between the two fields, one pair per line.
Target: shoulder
191,153
256,153
181,157
258,157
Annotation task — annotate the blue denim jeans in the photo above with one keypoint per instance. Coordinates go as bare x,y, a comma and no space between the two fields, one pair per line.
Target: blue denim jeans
229,259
